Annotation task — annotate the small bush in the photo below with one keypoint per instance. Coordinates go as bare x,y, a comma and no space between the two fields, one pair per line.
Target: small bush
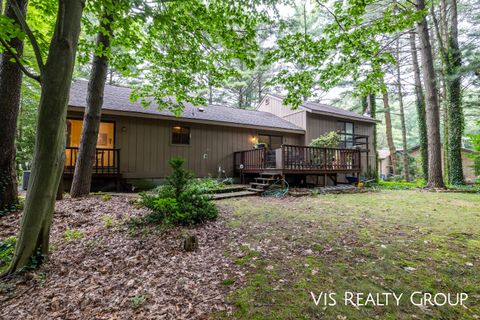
137,301
182,200
399,185
206,185
7,249
108,221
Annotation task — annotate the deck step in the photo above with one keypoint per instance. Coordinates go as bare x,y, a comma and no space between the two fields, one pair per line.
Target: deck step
257,191
244,193
270,174
228,189
264,179
258,184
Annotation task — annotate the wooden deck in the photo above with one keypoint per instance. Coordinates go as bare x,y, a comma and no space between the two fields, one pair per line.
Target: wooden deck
304,160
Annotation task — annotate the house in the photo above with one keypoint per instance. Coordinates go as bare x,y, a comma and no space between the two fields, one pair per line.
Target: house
385,167
135,143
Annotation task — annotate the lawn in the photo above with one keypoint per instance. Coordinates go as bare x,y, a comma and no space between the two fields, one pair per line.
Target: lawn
388,241
259,260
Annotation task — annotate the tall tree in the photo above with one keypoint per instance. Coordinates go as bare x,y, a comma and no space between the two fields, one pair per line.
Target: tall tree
406,171
49,152
10,87
420,105
454,95
435,178
388,129
450,54
82,177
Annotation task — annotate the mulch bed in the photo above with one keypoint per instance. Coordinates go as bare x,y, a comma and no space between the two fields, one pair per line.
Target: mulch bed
107,273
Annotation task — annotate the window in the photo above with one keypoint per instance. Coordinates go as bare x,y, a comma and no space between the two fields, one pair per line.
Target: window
272,142
180,135
346,131
106,140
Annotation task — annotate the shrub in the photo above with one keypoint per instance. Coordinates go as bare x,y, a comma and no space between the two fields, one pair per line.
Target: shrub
180,177
206,185
7,248
400,185
182,200
327,140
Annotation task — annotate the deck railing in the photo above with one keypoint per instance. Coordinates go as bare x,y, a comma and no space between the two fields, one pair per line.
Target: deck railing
107,161
299,158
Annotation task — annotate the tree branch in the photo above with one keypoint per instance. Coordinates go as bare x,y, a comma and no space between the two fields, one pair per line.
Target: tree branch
33,41
19,62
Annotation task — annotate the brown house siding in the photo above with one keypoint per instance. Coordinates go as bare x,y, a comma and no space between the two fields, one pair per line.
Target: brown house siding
275,106
145,146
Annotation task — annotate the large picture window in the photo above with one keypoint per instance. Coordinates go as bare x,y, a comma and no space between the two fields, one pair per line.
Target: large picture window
346,132
180,135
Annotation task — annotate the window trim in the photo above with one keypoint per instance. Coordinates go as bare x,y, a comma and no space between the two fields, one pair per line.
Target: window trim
343,132
189,136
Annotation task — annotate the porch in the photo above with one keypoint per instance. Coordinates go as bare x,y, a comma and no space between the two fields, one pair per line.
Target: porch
106,174
107,162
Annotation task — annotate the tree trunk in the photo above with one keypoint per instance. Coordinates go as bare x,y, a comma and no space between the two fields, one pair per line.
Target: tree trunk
259,87
420,104
82,177
240,98
435,179
406,173
10,87
388,129
210,95
372,112
455,119
49,155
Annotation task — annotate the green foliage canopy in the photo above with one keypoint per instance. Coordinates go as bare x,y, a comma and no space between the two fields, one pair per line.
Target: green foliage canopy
349,47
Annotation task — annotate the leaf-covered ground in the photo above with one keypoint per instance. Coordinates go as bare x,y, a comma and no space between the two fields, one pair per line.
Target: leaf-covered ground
260,260
102,269
389,241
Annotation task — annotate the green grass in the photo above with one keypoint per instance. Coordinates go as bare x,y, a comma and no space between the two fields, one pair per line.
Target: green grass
376,242
71,234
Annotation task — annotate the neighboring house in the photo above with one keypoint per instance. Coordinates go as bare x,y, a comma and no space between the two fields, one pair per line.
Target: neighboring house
385,167
136,143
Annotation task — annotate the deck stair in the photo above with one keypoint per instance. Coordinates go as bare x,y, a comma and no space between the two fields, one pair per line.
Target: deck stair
264,182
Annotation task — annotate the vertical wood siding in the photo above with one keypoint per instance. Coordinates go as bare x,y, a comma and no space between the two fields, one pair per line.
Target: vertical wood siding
145,146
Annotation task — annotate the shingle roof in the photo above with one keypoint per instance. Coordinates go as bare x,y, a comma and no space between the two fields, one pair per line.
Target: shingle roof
118,99
334,111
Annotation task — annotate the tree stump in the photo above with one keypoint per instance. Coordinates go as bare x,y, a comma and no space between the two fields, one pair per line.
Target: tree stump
190,243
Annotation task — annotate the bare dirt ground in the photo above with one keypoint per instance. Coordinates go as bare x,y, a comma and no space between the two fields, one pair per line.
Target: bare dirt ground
99,269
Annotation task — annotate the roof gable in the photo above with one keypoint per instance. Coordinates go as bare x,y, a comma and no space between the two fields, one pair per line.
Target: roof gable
329,110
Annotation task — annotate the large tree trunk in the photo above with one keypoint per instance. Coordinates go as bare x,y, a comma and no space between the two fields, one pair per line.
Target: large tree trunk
48,160
82,177
372,112
435,179
420,104
406,156
455,111
388,129
10,87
